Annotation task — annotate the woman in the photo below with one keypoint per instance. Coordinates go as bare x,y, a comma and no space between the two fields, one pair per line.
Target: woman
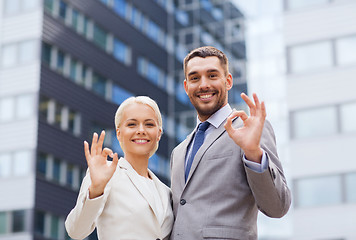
122,198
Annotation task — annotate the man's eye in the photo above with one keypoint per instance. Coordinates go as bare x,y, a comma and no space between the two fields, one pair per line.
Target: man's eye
194,78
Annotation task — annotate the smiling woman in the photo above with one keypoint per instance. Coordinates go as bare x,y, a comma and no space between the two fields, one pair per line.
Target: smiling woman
124,190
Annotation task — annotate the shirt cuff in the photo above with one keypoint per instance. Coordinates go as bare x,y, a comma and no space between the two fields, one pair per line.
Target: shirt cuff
257,167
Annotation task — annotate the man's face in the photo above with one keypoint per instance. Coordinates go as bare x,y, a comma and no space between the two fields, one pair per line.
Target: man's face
206,85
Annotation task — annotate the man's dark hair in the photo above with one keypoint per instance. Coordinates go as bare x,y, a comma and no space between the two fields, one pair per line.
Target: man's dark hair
207,51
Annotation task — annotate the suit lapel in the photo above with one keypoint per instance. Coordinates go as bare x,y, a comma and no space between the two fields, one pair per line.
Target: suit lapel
207,143
134,177
181,159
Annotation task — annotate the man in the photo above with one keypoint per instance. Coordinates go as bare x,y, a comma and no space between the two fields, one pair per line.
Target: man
236,171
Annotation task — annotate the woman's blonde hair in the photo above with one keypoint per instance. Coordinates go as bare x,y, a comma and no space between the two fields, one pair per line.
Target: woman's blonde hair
141,100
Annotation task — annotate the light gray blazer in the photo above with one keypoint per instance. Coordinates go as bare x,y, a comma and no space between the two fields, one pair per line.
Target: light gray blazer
222,196
125,210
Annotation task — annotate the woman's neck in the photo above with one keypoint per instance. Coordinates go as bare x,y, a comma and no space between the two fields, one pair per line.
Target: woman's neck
139,164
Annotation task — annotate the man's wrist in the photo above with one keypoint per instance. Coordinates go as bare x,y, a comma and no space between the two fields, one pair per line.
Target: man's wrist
254,156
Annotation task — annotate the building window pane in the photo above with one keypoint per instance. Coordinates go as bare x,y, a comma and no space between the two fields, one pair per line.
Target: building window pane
54,227
119,94
56,171
58,115
120,51
345,49
319,191
9,55
62,10
70,175
75,19
42,164
44,107
314,122
310,57
48,4
72,116
73,70
350,187
25,106
120,7
7,109
27,51
60,61
22,163
348,116
297,4
18,221
100,37
40,223
5,165
46,53
99,84
3,222
12,6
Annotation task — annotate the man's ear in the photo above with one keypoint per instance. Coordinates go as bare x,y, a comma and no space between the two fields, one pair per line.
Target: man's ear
186,86
229,82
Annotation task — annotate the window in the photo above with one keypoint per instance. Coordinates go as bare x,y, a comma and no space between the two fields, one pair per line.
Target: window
3,222
348,116
60,61
22,163
56,170
75,19
44,108
350,180
5,165
73,72
54,227
120,7
121,51
39,223
48,4
62,10
7,109
27,51
345,49
42,164
25,106
18,221
309,57
314,122
319,191
46,53
100,37
298,4
99,84
58,115
9,55
119,94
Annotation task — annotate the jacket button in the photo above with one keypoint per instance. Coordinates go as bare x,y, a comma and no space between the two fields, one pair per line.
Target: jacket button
182,202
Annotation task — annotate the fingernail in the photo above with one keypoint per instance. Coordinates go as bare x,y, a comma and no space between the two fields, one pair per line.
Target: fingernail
111,155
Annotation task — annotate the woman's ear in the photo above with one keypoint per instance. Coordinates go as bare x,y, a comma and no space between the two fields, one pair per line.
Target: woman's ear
117,132
159,135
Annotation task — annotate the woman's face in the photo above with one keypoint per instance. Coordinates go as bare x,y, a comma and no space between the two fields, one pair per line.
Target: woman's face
138,132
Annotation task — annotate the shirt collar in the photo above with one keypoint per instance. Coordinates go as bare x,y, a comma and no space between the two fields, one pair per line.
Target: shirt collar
219,116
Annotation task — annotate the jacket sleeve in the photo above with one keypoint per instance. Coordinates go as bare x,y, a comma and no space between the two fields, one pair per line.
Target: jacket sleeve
269,188
81,221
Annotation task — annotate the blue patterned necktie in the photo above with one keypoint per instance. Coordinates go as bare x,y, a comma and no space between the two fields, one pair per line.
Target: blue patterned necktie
198,141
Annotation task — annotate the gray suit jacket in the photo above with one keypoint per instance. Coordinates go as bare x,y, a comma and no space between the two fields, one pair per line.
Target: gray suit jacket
222,196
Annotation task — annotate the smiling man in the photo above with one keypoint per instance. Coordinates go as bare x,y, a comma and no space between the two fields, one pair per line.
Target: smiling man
228,167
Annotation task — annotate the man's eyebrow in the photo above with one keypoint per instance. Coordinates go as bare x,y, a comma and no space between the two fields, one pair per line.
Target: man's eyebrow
192,73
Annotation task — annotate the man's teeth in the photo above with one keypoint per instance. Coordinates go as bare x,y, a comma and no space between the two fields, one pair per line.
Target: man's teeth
206,96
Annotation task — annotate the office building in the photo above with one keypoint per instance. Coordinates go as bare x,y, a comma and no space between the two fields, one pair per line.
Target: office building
65,66
320,38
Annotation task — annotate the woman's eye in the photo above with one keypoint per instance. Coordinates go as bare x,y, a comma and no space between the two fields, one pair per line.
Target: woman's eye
131,124
150,124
